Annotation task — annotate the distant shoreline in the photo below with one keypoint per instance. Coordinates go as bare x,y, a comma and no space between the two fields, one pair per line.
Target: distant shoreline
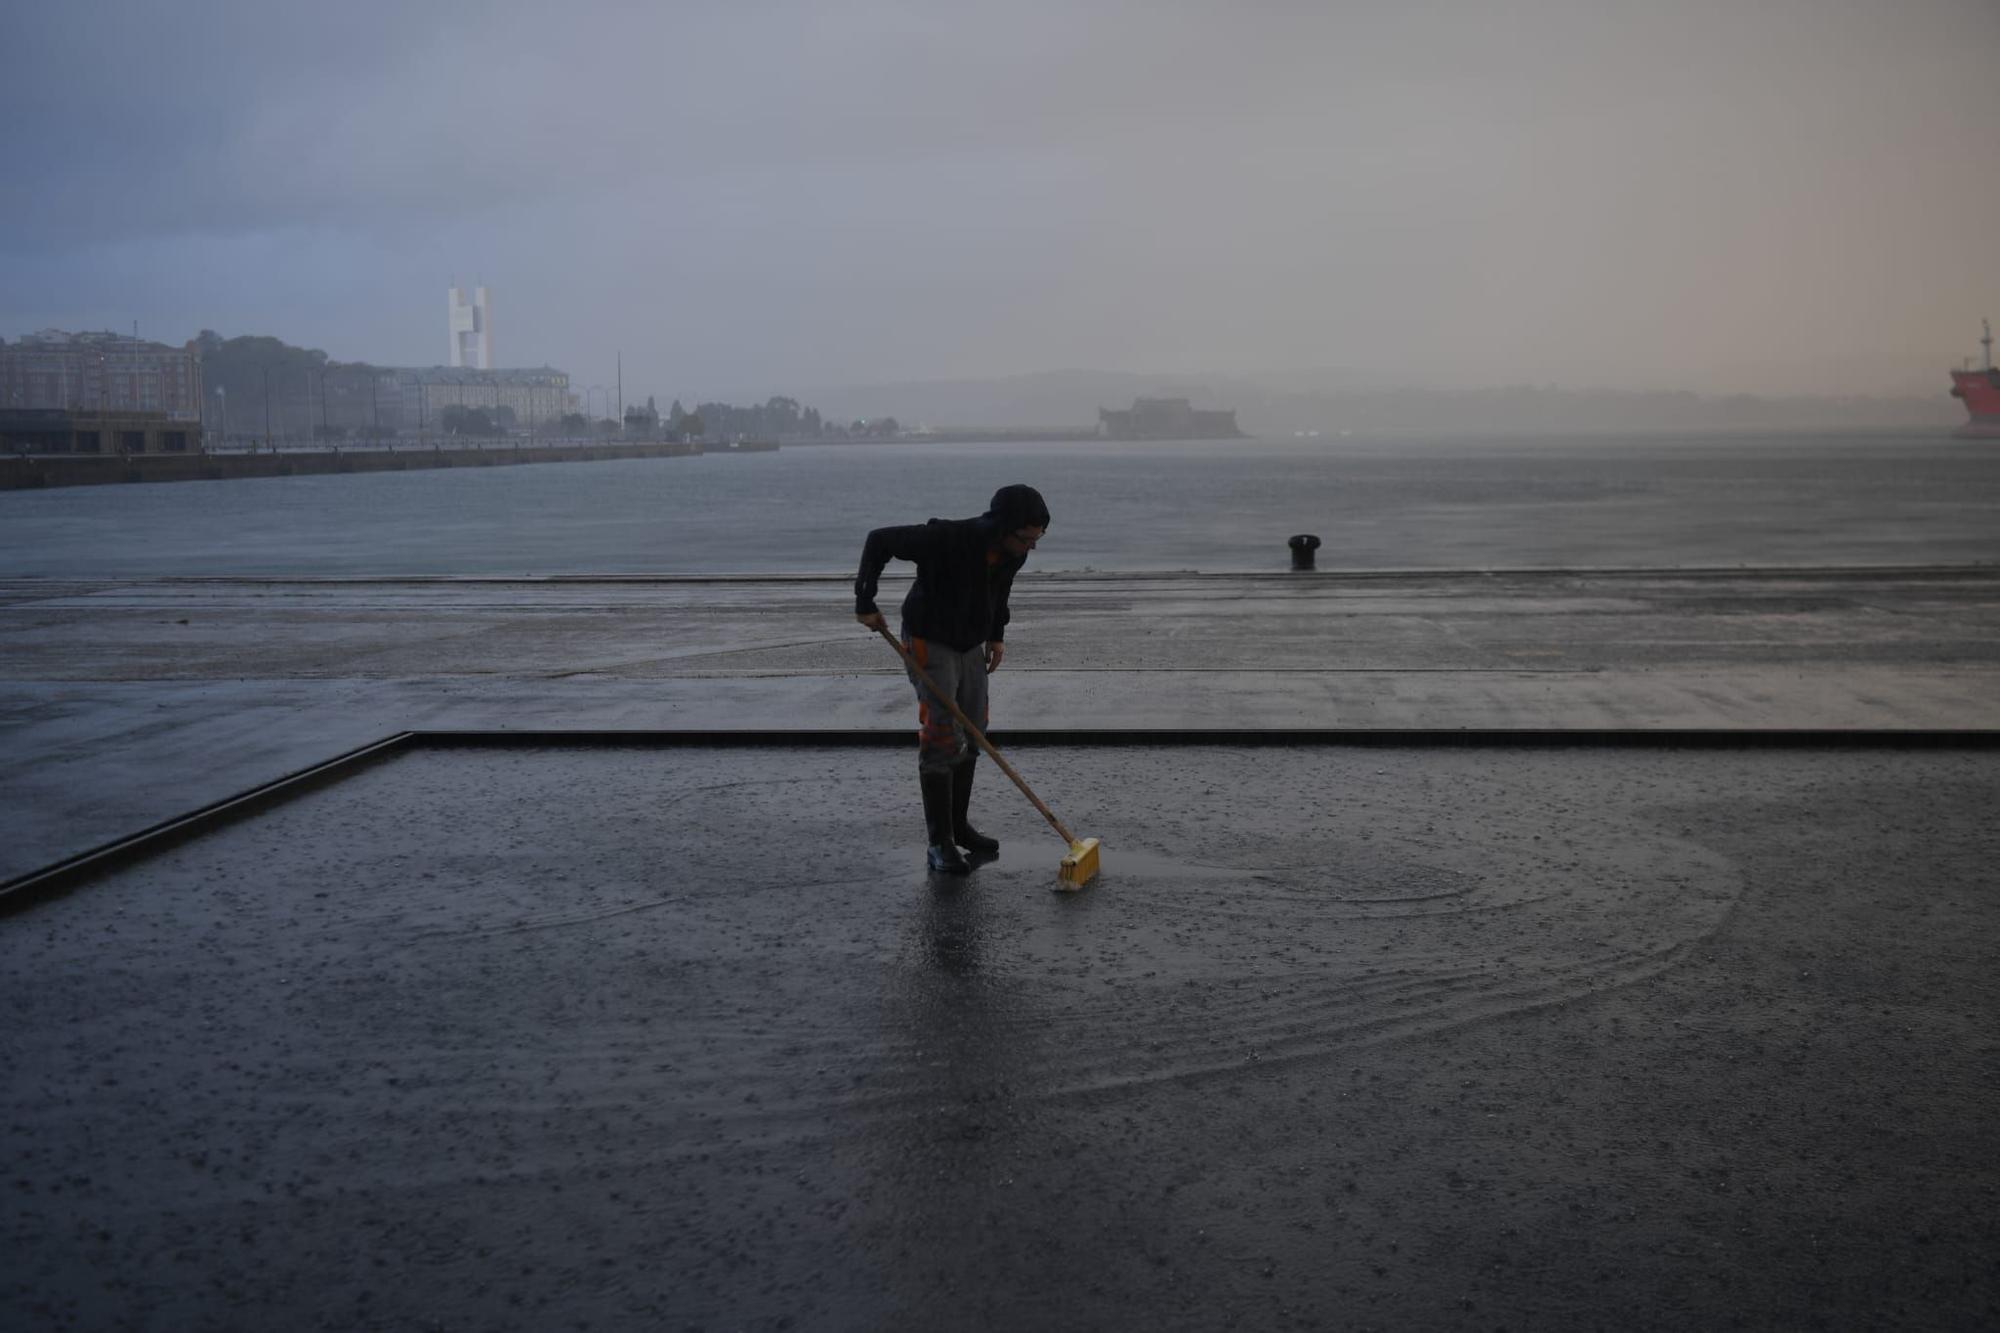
41,471
1921,430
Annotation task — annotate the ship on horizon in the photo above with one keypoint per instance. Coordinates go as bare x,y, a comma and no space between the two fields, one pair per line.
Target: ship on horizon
1980,392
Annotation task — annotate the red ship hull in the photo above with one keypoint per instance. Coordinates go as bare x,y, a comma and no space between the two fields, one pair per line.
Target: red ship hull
1980,392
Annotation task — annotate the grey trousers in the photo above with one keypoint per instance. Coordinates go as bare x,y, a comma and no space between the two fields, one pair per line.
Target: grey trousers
941,742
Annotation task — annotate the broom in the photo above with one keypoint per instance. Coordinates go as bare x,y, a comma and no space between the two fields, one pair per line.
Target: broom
1079,867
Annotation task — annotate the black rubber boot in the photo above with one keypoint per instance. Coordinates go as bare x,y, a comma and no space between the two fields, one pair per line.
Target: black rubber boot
943,856
962,831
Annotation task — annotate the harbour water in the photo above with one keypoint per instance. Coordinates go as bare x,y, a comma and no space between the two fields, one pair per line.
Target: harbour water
1211,507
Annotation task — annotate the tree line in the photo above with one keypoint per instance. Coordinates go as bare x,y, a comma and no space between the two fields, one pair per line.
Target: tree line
775,418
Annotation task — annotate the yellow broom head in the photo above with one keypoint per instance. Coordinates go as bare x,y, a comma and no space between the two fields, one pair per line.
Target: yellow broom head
1079,867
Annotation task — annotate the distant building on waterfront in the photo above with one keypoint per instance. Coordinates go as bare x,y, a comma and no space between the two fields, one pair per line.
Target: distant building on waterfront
264,391
471,325
100,372
109,393
99,393
536,395
358,400
1166,419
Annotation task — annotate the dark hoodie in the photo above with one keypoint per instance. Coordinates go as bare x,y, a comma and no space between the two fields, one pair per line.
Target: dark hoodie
963,573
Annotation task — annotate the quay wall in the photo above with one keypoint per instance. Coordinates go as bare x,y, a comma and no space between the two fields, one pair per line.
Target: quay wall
27,473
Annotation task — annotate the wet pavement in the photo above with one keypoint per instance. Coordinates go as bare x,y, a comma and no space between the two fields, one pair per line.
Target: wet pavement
637,1038
685,1038
122,704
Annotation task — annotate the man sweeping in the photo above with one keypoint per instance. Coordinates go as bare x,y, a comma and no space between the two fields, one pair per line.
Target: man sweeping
954,626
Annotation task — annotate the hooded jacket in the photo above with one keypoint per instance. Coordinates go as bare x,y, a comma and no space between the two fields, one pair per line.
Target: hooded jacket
963,577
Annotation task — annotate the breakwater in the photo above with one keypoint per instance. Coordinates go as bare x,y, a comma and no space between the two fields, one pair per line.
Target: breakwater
32,472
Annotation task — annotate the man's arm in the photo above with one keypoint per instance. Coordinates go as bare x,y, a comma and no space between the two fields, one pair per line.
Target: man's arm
911,542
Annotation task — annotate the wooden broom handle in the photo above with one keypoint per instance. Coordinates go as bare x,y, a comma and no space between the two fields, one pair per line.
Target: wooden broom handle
975,733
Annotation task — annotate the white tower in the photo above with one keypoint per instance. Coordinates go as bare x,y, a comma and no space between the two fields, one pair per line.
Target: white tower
471,324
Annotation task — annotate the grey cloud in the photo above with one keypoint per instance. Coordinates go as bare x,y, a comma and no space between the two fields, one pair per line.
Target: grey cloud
1610,191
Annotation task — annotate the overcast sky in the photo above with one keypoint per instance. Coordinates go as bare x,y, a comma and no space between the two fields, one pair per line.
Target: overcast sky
1776,195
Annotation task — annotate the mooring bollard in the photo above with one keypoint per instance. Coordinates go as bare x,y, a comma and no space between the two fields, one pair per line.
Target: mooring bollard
1303,547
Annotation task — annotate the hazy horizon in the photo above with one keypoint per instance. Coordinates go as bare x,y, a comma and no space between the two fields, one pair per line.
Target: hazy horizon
1797,200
